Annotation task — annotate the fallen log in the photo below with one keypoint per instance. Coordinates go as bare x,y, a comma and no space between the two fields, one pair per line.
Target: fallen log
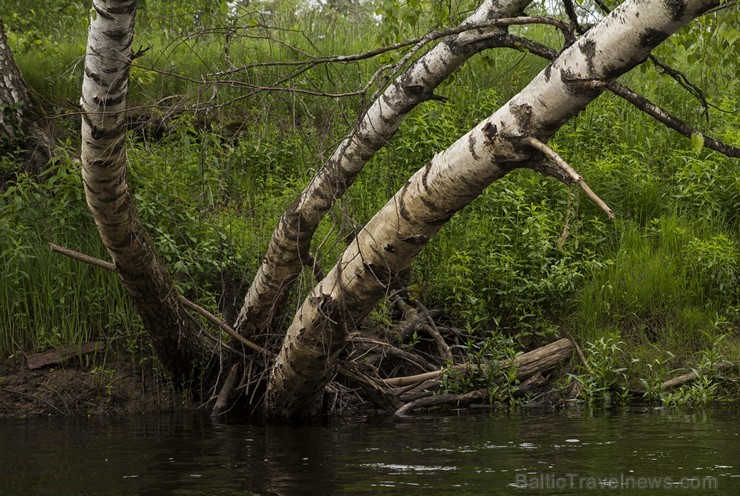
59,355
529,367
690,376
526,364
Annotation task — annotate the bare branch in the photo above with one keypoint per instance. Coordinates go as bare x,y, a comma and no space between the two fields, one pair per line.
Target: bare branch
669,120
626,93
566,173
185,302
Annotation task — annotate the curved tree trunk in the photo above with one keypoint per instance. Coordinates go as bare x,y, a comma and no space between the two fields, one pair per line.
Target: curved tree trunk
288,250
147,282
396,234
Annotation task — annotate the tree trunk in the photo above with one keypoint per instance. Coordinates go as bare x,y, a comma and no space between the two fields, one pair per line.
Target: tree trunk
289,245
147,282
453,178
13,97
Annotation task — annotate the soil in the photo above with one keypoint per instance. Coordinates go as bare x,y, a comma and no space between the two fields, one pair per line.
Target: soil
104,384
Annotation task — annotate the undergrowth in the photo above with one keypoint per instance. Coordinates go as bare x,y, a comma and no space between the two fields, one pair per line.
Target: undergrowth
529,260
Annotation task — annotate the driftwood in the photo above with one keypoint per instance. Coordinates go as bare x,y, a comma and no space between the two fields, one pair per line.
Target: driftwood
59,355
688,377
529,367
527,364
222,401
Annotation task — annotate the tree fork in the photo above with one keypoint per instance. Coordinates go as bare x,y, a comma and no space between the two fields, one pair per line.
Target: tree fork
453,178
287,253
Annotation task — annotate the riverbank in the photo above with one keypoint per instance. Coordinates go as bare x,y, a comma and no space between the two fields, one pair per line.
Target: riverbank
105,383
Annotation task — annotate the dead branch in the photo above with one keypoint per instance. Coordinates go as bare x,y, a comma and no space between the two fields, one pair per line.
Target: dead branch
422,40
684,378
223,396
387,349
458,400
185,302
565,172
527,364
628,94
669,120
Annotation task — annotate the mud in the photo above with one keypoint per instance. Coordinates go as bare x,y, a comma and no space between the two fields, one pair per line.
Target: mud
105,384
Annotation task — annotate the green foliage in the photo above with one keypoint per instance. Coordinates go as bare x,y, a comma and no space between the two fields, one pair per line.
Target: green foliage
603,380
483,370
46,299
529,260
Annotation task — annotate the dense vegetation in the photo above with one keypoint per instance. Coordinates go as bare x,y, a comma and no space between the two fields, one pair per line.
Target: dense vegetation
214,166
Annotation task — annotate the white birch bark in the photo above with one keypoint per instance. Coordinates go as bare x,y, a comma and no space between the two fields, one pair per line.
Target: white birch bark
289,245
13,96
396,234
104,90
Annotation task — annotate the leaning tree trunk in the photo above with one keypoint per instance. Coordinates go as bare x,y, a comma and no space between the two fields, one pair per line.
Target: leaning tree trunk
288,250
147,282
453,178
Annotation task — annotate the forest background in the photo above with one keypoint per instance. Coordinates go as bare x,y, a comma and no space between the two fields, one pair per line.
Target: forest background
215,162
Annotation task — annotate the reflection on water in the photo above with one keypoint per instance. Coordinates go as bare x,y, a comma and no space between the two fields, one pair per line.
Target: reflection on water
635,451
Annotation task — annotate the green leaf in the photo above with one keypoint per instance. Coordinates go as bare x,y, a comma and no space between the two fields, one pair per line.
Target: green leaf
697,142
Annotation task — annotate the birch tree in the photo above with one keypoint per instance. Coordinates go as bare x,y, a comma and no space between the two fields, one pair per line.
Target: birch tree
104,89
515,136
13,97
18,126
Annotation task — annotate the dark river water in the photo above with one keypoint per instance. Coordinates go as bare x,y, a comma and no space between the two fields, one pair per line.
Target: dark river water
635,451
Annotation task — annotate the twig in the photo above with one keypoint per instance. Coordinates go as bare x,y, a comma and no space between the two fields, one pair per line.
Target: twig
566,173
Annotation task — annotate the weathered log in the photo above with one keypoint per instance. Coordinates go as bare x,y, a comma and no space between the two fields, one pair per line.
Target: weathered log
527,364
59,355
684,378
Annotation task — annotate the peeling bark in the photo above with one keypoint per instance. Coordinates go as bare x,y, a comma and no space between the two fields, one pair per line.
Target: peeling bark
449,182
289,245
104,90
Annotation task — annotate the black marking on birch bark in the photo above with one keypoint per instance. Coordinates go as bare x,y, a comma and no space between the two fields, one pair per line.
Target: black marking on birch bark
425,175
97,78
522,113
548,72
102,13
417,240
429,204
390,248
471,146
414,90
588,49
652,37
120,35
108,102
676,8
120,83
402,210
379,271
490,130
440,221
123,9
101,133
